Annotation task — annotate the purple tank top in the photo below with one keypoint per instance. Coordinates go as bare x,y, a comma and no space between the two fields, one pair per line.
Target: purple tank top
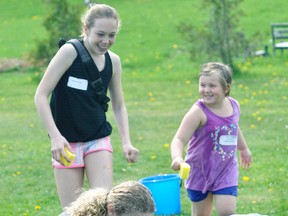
211,151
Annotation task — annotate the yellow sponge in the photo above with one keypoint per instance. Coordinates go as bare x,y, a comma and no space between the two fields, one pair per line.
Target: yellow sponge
184,170
70,155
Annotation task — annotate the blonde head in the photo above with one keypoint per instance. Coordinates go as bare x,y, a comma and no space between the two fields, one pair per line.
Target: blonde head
224,73
129,198
91,202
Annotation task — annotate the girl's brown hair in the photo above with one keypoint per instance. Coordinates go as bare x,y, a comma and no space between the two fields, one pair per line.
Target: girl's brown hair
98,11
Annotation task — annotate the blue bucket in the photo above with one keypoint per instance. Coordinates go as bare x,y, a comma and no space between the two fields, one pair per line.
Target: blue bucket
165,191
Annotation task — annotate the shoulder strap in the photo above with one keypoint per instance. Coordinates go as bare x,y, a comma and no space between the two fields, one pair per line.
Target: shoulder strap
90,66
61,42
86,58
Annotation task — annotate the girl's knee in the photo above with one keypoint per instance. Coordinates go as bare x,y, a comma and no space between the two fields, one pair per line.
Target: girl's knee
225,205
204,207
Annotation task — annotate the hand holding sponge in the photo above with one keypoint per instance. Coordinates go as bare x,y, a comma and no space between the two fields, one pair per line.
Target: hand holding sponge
70,155
184,170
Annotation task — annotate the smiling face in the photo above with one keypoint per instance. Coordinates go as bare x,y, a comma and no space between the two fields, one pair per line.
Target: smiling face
214,83
101,35
211,90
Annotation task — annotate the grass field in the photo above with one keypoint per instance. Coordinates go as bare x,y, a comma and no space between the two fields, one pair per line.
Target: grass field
160,85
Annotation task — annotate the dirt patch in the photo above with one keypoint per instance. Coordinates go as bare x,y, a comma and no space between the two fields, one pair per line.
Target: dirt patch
13,63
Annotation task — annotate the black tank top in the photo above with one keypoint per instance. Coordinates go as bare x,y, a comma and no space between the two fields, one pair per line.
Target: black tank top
76,112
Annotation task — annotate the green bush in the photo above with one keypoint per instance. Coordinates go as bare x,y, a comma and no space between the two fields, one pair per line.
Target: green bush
221,38
62,21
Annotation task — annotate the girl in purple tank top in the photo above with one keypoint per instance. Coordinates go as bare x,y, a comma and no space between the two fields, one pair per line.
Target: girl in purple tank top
213,135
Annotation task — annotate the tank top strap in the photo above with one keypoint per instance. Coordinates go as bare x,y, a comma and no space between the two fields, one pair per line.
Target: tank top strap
235,104
201,105
209,113
108,62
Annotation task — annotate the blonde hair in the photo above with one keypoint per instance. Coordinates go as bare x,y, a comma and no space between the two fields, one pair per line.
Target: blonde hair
98,11
130,198
127,198
224,73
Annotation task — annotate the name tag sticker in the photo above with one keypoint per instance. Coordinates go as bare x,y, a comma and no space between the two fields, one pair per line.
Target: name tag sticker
77,83
228,140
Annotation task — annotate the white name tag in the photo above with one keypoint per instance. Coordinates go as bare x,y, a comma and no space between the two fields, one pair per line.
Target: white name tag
77,83
228,140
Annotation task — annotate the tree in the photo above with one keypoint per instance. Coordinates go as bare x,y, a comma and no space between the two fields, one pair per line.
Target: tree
62,21
219,39
223,22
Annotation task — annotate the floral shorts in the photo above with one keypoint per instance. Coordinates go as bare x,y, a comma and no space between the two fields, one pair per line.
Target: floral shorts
81,149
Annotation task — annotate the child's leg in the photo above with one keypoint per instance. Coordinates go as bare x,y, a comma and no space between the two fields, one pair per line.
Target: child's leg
203,207
68,182
225,205
99,169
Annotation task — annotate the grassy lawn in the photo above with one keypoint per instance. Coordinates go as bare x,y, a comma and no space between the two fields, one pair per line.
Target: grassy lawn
160,84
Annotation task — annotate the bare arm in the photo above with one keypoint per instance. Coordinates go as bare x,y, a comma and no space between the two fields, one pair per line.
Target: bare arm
120,111
55,70
245,154
193,119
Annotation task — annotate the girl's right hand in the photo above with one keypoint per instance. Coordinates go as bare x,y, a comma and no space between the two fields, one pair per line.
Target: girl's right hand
57,148
175,165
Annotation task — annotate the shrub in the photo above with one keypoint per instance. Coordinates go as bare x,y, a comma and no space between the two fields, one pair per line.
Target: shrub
62,21
220,38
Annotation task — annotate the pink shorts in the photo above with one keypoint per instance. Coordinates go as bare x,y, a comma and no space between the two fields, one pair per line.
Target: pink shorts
81,149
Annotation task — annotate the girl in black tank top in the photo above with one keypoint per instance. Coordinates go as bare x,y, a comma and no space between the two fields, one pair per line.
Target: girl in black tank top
76,112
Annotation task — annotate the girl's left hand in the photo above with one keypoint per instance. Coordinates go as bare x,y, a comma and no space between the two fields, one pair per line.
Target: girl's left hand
131,153
245,158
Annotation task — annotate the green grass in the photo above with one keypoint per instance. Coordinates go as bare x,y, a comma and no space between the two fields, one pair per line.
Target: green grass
160,85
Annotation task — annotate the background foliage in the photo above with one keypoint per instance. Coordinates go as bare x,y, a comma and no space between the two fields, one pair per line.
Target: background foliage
62,21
